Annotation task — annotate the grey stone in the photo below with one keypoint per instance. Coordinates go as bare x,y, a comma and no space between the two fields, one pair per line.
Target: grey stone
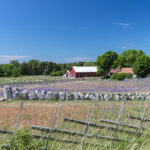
25,94
136,93
8,92
97,96
128,97
117,97
111,96
16,95
101,96
16,89
76,96
69,96
87,96
37,91
55,96
106,97
92,97
81,96
129,94
139,97
41,95
143,97
133,97
33,96
49,95
148,97
141,94
62,96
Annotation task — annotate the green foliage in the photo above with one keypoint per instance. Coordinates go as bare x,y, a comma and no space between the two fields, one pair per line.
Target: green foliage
89,64
105,62
9,70
57,73
24,141
121,76
141,66
15,63
129,76
113,76
128,57
16,72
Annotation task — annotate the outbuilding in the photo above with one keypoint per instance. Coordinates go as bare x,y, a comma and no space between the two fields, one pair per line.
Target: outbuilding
126,70
83,71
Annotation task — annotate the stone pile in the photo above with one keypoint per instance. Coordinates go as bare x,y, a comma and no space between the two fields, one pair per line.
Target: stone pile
44,95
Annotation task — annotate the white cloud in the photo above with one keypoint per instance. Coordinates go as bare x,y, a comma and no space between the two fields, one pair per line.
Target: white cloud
7,59
77,59
123,25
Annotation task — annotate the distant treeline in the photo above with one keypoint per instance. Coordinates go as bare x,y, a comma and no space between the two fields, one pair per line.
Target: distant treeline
37,67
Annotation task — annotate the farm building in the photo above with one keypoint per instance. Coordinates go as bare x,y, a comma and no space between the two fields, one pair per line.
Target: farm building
82,71
126,70
112,71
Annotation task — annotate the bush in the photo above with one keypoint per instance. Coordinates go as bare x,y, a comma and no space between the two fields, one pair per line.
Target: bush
129,76
24,141
113,76
121,76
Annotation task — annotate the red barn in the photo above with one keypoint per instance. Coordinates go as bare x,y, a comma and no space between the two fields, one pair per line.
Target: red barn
82,71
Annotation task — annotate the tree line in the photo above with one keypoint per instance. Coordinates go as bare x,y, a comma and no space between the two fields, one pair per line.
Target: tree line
37,67
131,58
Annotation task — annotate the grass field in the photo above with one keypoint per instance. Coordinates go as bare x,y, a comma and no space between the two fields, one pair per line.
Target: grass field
40,113
33,83
25,79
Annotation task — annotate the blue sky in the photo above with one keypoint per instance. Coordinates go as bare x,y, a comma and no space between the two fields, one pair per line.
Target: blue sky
65,31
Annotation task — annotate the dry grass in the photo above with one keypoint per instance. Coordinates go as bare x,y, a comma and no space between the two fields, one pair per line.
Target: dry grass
40,113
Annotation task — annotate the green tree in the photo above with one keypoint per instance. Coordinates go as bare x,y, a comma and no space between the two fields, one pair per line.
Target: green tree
14,62
141,66
24,68
7,70
105,62
128,57
16,72
33,66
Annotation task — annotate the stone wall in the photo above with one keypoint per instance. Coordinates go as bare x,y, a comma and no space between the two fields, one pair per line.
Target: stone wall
16,94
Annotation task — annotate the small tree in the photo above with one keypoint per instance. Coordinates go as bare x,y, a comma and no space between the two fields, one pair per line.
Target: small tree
105,62
141,66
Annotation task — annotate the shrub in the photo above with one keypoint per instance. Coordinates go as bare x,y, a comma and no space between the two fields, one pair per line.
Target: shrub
113,76
121,76
129,76
24,141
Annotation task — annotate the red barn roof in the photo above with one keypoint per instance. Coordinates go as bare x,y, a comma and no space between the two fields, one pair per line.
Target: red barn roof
126,70
114,70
